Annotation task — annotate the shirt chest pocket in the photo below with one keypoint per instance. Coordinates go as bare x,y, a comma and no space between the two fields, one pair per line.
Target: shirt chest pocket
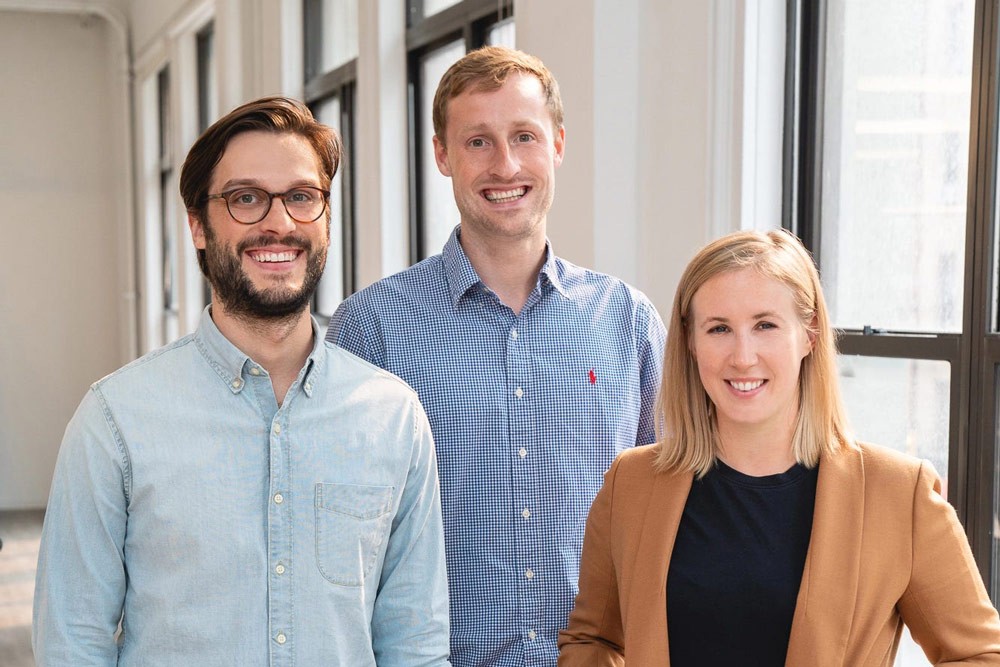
352,525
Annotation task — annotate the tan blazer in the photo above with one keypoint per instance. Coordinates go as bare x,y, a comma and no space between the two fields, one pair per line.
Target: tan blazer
885,548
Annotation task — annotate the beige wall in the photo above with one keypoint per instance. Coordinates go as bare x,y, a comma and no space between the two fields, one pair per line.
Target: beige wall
60,196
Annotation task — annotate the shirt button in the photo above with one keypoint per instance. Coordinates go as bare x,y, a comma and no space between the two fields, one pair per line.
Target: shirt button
277,429
519,392
529,573
526,513
513,334
532,635
522,452
278,498
280,569
309,386
237,383
254,371
281,638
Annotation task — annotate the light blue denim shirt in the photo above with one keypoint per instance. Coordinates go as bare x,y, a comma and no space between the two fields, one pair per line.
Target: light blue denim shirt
222,529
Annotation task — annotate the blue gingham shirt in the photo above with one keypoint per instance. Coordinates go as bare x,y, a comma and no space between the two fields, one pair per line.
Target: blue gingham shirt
528,410
224,529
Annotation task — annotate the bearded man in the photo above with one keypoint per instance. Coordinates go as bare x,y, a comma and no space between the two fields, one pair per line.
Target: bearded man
249,494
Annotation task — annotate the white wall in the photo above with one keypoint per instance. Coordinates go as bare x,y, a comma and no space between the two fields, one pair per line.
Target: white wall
63,281
652,93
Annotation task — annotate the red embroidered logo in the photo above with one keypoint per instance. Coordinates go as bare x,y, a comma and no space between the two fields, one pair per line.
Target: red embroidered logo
593,376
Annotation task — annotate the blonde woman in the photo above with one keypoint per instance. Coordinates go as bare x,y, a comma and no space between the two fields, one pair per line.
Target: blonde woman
757,531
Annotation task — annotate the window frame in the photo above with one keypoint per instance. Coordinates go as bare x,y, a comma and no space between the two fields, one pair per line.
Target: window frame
974,354
468,20
319,86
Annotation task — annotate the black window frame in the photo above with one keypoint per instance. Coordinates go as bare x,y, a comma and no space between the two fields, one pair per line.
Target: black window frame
468,20
319,87
974,354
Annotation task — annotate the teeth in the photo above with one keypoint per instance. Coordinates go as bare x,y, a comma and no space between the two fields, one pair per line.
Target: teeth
747,386
274,256
500,196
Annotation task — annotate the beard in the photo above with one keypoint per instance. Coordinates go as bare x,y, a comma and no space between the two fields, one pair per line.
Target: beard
240,297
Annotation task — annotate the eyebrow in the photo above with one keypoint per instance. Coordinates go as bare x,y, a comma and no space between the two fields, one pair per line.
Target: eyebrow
766,314
486,127
254,183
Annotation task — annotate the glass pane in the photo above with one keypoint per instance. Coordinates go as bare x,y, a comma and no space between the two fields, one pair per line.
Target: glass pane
903,404
330,292
340,33
900,403
895,152
440,215
432,7
501,34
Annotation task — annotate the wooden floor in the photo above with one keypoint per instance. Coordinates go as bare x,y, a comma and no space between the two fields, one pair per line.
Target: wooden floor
20,532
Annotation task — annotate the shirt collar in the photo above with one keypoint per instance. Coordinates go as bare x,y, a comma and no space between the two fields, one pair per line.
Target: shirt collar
461,276
229,362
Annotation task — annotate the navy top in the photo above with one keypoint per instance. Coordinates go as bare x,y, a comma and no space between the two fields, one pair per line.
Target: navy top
736,566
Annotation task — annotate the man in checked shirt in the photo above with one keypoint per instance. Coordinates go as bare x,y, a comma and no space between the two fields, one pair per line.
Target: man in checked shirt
534,372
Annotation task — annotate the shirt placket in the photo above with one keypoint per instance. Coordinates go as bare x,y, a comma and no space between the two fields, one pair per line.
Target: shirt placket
525,480
279,534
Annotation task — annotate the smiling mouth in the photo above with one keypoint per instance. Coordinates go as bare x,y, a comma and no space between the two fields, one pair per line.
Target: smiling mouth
271,257
504,196
746,386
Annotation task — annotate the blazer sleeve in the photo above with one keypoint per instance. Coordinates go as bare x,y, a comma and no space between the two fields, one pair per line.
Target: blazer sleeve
594,637
945,605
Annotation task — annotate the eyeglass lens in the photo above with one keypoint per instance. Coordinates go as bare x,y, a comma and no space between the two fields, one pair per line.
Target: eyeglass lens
249,205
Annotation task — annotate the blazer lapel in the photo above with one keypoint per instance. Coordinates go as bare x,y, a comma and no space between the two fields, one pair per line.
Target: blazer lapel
647,609
824,608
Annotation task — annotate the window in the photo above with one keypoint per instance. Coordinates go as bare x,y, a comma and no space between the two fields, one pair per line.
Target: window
890,179
439,33
169,325
331,52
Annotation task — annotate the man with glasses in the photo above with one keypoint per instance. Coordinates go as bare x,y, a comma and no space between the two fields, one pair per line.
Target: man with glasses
534,372
249,494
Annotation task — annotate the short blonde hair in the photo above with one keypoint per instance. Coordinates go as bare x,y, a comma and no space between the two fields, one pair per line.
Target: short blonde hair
686,422
486,69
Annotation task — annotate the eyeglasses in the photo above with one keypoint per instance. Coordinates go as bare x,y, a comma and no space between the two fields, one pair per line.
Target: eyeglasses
250,205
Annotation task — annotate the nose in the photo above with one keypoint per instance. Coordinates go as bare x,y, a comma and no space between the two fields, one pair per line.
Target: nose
744,352
277,220
505,164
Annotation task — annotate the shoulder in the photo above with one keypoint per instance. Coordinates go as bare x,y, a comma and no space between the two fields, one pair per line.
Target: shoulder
887,463
347,368
574,277
635,465
403,286
884,473
152,366
593,290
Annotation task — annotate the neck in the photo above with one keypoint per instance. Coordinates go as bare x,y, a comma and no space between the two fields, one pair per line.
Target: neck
508,266
281,347
757,450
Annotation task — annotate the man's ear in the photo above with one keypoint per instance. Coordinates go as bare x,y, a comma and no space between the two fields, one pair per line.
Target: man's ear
197,230
560,145
441,156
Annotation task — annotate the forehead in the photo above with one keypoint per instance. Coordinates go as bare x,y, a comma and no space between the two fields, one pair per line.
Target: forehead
272,159
521,98
742,292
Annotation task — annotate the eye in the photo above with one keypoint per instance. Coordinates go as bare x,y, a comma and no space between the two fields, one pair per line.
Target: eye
477,142
246,197
718,329
301,196
525,137
766,325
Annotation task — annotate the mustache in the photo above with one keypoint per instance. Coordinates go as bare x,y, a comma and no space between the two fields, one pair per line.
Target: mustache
291,241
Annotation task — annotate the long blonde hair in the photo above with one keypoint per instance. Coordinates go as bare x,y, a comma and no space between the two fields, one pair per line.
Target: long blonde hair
686,424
